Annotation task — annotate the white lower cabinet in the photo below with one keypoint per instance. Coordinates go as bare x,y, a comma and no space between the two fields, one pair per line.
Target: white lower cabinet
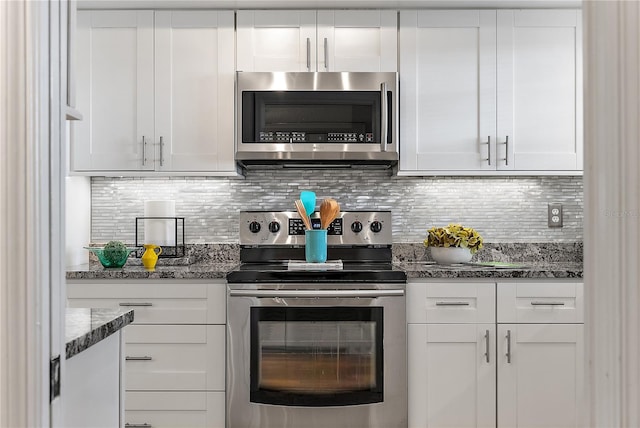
474,362
174,350
166,409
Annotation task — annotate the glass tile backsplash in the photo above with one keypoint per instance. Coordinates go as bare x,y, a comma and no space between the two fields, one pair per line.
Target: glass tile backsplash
502,209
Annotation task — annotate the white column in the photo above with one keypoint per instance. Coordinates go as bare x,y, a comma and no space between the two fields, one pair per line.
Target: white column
24,214
612,210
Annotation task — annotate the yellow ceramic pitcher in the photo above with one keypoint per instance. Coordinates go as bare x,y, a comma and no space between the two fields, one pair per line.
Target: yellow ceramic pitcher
150,256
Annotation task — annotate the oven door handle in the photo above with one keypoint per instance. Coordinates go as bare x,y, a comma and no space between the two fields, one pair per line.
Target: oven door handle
309,294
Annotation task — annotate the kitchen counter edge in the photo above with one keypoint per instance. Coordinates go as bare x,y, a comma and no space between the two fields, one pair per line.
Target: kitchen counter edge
84,327
413,270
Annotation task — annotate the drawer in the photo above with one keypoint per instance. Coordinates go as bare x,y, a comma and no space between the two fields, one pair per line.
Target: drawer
174,410
154,302
175,357
450,302
540,302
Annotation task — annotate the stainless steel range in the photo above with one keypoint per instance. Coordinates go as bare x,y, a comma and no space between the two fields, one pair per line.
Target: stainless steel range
319,348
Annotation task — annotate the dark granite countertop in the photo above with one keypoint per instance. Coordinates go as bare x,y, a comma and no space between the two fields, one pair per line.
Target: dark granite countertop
190,271
533,270
84,327
423,269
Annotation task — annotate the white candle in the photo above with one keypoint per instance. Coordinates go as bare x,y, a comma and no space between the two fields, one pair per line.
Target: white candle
160,231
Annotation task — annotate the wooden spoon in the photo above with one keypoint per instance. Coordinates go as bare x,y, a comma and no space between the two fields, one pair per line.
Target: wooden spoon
303,214
329,210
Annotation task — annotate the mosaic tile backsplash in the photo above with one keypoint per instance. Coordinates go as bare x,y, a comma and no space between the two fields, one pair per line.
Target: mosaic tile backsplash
502,209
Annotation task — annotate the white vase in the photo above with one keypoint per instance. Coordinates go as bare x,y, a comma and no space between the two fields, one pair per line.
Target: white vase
449,255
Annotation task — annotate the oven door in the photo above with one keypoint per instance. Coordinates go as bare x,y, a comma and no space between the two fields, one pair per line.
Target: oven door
316,357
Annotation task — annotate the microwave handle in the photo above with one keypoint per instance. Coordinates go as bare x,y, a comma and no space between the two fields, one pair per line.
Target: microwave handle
384,117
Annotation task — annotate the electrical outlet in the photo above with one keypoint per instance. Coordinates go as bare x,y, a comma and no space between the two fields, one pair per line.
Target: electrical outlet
554,215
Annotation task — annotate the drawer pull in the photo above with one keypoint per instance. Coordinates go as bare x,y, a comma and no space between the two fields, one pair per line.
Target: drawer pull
145,358
145,425
547,304
135,304
508,346
452,303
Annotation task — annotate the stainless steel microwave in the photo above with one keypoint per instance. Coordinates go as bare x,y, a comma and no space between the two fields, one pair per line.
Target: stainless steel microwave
330,119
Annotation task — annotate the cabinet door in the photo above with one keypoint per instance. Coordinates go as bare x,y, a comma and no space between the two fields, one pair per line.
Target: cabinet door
357,40
448,81
194,73
452,375
540,375
114,83
276,40
539,90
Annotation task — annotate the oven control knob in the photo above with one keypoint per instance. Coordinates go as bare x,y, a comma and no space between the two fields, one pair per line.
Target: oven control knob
356,227
274,226
254,227
376,226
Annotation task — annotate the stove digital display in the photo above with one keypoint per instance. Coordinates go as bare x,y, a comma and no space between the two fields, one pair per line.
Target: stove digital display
296,227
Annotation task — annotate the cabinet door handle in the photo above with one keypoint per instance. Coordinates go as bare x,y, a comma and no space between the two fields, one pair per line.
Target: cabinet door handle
308,54
135,304
508,346
161,151
144,151
506,150
486,344
547,304
145,425
452,303
326,54
488,143
145,358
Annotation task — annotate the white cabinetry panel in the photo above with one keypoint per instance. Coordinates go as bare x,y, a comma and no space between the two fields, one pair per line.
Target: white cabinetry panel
175,409
485,91
156,89
540,382
114,82
326,40
448,86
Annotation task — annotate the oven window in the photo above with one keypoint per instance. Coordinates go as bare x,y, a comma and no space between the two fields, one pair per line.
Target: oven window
316,356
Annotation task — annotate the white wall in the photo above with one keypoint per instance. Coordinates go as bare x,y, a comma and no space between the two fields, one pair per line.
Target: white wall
78,219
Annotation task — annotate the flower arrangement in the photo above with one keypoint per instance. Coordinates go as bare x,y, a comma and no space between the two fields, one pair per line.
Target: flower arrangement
454,235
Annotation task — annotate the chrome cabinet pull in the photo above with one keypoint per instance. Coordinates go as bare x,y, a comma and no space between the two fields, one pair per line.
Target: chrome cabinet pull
135,304
144,151
488,143
486,343
326,54
547,304
384,120
508,346
145,425
145,358
310,294
308,54
161,151
506,151
452,303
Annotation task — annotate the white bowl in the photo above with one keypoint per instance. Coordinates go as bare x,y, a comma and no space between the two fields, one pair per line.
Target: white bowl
449,255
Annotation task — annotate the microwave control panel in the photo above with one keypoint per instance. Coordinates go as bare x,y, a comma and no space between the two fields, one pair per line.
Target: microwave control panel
307,137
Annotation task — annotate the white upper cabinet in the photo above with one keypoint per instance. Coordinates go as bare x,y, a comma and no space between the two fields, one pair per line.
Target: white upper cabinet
194,73
346,40
448,89
539,90
156,90
114,84
486,91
